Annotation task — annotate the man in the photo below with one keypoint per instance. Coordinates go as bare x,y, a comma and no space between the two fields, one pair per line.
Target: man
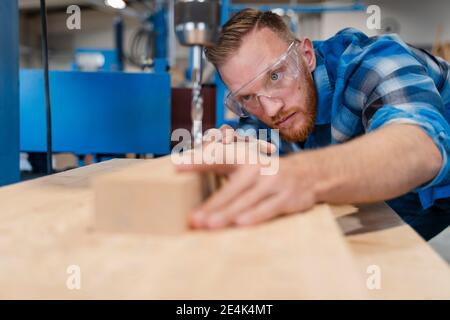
371,115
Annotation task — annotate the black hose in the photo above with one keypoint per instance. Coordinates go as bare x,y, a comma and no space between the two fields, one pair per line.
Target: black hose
141,46
44,45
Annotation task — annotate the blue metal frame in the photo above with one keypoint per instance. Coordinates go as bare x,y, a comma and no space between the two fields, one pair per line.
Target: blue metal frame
9,92
97,112
303,8
159,21
220,86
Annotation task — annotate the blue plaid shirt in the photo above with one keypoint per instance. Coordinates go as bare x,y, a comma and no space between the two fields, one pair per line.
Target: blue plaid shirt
365,83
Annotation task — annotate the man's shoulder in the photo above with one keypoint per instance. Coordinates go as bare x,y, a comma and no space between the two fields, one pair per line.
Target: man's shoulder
351,49
346,35
351,41
350,33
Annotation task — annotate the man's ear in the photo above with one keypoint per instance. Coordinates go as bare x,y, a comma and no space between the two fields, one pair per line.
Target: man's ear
308,54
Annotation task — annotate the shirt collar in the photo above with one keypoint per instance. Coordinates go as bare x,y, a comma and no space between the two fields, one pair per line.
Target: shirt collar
324,91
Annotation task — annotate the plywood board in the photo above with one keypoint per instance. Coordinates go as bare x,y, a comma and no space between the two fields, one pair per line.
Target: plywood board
46,225
285,259
302,256
409,267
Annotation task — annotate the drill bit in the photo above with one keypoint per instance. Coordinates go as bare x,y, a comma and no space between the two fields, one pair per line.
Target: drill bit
210,180
197,100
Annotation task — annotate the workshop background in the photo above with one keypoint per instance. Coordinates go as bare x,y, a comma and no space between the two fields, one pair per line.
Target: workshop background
121,36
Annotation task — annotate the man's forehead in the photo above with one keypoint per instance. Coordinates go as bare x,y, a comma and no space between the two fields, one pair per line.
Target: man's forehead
258,51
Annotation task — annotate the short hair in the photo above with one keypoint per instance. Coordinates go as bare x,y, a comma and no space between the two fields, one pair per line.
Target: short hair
241,24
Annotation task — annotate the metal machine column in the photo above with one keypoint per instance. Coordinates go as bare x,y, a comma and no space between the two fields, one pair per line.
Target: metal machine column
9,92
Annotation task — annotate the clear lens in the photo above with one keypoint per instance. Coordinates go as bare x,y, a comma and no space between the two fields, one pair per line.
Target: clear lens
235,106
273,81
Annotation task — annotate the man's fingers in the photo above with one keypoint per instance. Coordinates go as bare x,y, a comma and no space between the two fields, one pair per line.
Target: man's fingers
263,146
225,126
276,205
248,199
212,135
244,138
238,183
227,133
217,134
266,147
228,136
265,210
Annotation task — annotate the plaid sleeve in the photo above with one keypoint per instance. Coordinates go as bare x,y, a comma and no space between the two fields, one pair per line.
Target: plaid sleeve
393,87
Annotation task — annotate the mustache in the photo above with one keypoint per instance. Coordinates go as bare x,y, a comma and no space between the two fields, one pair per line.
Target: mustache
282,115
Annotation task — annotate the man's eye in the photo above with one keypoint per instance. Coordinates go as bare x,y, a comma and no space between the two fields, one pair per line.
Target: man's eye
275,76
246,98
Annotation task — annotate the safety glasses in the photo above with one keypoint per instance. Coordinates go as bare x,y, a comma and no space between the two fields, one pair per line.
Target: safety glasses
273,82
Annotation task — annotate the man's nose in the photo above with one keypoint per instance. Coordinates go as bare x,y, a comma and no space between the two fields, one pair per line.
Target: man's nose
271,105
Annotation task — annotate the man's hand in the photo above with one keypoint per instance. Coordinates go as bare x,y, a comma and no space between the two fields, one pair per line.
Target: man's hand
377,166
249,197
226,135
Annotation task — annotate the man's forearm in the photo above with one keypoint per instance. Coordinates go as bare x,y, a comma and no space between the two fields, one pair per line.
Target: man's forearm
378,166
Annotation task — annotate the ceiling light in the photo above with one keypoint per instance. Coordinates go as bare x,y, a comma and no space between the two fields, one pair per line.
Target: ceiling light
116,4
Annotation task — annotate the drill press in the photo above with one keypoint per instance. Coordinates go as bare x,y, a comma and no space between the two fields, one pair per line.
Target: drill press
197,24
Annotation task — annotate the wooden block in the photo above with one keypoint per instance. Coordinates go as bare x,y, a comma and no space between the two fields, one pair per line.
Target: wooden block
150,197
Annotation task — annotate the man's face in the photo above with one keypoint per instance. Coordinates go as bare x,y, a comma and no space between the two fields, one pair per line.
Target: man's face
292,112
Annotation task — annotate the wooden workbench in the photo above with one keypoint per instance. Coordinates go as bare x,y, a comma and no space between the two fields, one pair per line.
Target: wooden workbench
376,236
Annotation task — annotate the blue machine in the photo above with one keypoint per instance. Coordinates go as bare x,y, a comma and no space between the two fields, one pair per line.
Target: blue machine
97,108
9,92
97,112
